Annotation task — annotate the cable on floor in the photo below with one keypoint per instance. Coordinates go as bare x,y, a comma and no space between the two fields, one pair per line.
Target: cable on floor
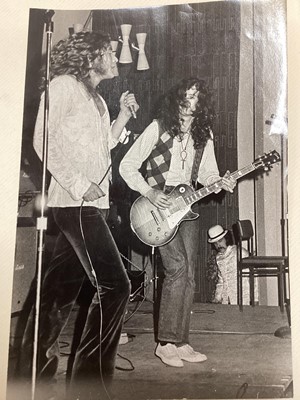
241,391
129,362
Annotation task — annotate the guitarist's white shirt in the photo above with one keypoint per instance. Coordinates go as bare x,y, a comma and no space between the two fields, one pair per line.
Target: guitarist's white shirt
142,148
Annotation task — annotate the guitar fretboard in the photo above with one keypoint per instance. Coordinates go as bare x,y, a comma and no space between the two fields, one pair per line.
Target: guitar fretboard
207,190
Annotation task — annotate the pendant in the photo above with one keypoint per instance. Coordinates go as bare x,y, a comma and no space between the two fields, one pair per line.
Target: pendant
183,155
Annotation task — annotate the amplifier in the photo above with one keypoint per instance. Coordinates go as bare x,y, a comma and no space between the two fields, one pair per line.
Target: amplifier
24,265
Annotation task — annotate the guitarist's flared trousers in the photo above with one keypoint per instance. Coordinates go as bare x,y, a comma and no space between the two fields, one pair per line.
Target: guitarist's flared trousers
179,258
69,266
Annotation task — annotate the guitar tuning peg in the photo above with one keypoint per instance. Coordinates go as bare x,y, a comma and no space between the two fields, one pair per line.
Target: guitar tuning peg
267,168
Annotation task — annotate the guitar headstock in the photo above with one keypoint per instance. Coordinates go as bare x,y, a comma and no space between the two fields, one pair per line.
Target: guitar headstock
267,160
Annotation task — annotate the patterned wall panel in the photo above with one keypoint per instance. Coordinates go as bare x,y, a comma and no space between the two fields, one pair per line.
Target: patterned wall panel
200,40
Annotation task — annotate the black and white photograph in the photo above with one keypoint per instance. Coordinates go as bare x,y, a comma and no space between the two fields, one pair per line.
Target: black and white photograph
150,253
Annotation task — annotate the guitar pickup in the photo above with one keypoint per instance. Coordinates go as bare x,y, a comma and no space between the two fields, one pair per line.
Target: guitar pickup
154,217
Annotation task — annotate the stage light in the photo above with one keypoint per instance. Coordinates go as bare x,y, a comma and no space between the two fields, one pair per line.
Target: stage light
142,63
125,56
77,27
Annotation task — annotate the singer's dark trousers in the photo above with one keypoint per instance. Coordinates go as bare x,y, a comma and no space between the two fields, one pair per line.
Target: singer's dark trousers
94,360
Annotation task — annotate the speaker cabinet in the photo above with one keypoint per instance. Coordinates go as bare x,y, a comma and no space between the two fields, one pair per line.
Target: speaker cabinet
24,265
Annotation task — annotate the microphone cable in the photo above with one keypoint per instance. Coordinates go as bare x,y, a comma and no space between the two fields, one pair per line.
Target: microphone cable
93,270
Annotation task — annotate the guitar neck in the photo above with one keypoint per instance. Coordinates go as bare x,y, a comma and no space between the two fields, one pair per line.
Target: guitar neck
207,190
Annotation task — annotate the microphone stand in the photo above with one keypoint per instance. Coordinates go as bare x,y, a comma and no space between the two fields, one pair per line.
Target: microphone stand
42,220
283,332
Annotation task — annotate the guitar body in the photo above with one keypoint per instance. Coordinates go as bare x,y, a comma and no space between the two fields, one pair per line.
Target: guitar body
157,227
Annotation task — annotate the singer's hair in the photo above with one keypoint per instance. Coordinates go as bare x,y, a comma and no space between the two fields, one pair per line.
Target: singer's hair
73,56
168,110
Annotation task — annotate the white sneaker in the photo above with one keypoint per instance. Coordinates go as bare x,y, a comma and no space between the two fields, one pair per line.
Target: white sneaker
123,338
187,353
168,355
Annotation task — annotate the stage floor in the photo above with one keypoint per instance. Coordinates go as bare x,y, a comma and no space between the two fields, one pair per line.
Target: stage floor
245,358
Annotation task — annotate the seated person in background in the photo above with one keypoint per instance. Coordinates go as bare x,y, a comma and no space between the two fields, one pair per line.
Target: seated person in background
223,267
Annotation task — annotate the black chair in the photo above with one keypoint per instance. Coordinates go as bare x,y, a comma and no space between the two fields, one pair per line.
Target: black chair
257,266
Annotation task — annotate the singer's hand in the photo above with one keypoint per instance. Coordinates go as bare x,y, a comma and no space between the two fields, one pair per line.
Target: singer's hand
93,193
128,104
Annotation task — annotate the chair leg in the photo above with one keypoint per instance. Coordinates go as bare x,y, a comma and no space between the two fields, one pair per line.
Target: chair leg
238,286
281,290
251,287
284,286
240,289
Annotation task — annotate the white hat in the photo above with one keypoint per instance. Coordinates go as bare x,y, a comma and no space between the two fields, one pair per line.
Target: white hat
215,233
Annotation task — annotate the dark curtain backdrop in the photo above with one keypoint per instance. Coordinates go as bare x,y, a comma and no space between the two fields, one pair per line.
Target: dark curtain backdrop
183,40
30,163
198,40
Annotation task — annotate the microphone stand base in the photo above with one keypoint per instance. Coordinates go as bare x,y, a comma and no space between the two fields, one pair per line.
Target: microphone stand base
284,332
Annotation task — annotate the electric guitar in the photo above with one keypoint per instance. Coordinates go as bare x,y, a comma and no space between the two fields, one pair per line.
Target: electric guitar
156,227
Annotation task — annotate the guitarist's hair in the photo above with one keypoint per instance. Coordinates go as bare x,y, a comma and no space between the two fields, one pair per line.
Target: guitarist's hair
168,108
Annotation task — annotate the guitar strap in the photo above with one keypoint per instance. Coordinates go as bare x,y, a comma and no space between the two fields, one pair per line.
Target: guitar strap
196,165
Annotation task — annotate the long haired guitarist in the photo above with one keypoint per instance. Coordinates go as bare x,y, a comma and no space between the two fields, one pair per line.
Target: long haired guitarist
178,146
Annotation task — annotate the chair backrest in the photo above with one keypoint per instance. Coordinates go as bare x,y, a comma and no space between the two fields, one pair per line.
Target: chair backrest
243,231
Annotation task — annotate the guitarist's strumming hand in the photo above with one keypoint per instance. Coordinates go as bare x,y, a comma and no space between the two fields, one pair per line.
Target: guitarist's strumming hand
158,198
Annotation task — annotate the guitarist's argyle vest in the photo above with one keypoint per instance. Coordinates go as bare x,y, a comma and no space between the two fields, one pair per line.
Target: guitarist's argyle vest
158,163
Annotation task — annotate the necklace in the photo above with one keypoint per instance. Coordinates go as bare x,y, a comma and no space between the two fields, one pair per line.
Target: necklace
183,152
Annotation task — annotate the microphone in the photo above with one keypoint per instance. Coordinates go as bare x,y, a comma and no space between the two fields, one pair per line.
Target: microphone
48,15
130,106
133,113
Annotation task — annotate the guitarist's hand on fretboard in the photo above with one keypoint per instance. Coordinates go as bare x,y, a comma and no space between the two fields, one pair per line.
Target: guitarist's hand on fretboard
158,198
228,182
